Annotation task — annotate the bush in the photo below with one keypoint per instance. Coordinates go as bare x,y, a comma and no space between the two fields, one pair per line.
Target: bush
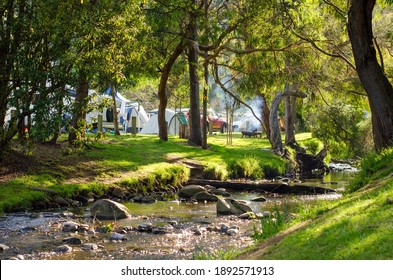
345,127
313,145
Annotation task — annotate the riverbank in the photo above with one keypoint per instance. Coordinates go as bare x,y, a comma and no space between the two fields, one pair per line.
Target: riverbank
356,227
125,165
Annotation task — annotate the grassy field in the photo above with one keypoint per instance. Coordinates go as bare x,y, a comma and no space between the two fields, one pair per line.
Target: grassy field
136,162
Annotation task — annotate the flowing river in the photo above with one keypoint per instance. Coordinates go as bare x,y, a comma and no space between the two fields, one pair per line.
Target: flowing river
195,229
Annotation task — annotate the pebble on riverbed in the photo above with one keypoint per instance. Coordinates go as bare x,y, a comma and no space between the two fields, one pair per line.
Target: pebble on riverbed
72,240
70,227
89,247
117,237
63,249
3,247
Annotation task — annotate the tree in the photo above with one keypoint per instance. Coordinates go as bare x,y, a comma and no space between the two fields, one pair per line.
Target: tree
377,85
168,26
195,113
103,44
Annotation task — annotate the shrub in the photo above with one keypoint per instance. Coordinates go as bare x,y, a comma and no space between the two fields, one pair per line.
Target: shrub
313,145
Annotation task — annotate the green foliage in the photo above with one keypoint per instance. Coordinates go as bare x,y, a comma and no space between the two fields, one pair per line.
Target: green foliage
346,128
313,145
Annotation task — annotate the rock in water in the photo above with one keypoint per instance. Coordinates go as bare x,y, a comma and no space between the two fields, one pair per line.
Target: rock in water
259,199
229,206
63,249
205,196
109,210
190,190
70,226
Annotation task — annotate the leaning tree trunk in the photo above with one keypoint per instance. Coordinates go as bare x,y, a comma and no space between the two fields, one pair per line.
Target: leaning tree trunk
379,89
275,136
290,116
265,117
162,95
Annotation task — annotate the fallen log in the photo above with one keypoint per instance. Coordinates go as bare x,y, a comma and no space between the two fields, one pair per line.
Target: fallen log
265,187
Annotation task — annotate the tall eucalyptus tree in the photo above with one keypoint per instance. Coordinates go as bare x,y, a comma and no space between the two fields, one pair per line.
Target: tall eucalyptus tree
374,80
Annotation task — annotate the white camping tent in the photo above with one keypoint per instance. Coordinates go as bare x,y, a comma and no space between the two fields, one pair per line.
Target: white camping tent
171,117
132,115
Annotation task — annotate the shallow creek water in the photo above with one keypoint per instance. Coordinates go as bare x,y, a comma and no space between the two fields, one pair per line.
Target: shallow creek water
36,238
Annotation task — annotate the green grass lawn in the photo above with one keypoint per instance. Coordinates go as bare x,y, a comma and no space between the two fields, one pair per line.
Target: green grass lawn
132,161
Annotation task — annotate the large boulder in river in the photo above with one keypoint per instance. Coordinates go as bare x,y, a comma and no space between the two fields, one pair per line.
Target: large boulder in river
109,210
205,196
190,190
229,206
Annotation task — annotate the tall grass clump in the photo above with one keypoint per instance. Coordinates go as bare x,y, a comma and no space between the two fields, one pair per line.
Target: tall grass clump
247,167
161,178
215,171
374,166
270,225
217,255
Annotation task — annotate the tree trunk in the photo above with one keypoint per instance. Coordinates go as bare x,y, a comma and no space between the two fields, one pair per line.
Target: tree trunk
290,116
162,96
195,113
273,119
265,117
115,116
275,136
204,105
379,89
79,116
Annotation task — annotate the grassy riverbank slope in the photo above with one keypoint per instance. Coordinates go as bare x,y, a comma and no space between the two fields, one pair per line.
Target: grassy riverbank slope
137,163
358,226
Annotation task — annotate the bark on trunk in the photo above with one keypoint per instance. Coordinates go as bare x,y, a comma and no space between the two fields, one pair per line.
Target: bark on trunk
204,105
275,136
290,116
265,117
162,95
115,116
195,113
379,89
79,117
273,119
